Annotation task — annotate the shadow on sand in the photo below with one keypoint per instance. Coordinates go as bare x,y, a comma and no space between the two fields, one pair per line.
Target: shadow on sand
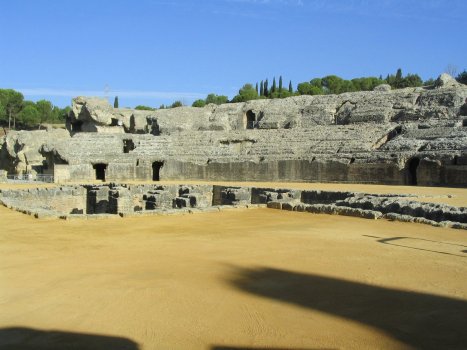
268,348
21,338
420,320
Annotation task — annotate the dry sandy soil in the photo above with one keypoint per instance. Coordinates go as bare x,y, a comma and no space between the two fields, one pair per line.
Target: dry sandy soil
239,279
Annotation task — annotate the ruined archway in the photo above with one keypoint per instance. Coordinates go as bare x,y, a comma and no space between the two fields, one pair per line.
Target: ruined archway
156,168
100,169
411,168
250,119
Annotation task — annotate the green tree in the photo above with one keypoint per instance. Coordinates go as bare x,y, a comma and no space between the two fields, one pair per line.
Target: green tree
290,87
334,84
144,108
11,101
216,99
176,104
281,94
365,84
261,88
199,103
307,88
411,80
29,115
266,88
3,114
246,93
399,74
429,82
64,113
45,110
318,82
280,83
462,77
116,102
398,79
256,88
273,88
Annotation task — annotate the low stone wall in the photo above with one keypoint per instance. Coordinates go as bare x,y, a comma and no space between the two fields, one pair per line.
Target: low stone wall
126,200
65,199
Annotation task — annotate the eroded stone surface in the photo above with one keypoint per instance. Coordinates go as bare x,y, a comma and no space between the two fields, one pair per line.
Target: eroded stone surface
102,200
408,136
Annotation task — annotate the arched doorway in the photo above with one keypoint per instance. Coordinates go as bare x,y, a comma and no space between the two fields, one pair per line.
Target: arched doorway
100,169
412,166
156,168
250,119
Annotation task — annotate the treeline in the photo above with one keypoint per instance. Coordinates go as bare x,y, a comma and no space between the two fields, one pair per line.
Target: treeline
162,106
331,84
16,112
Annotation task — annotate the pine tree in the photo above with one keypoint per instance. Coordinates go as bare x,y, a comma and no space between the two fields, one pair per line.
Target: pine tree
290,87
261,88
273,89
280,83
116,102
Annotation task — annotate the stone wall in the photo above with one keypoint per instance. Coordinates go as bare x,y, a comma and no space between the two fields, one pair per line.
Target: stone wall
413,136
65,199
104,200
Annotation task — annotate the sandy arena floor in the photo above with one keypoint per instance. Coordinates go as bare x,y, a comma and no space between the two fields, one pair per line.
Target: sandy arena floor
239,279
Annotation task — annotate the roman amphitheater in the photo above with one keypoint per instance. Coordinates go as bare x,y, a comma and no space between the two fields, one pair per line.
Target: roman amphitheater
311,222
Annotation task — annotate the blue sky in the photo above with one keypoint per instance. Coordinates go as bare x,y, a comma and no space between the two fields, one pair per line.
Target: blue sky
156,51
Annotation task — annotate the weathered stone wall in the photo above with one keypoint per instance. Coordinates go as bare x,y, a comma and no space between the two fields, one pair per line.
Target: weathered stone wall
66,199
413,136
102,200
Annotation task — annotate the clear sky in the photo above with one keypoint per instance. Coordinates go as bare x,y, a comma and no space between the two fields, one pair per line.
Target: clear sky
156,51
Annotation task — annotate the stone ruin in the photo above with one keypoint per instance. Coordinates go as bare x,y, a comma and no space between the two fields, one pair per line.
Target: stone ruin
412,136
100,201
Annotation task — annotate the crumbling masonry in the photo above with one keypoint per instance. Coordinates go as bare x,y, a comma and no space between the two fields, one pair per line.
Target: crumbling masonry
413,136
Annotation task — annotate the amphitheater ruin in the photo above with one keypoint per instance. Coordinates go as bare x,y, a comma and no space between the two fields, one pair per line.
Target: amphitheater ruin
257,267
412,136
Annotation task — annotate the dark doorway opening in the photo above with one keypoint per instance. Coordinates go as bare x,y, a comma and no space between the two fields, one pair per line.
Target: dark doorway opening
128,145
100,169
412,171
250,119
77,126
156,168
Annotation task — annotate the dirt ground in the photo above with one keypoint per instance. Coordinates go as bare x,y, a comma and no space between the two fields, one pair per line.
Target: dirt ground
238,279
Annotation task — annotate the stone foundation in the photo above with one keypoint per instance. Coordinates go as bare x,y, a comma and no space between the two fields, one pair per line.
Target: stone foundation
91,201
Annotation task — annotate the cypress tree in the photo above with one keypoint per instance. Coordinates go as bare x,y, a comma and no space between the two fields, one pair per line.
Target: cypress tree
261,88
266,91
273,89
290,87
257,91
399,74
280,83
398,80
116,102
